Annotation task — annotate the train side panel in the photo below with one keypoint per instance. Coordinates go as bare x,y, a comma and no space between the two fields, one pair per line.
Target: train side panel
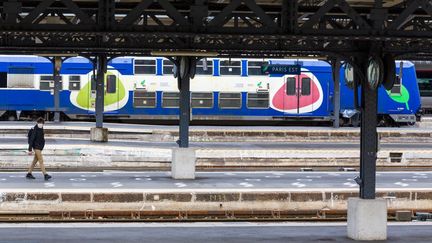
214,96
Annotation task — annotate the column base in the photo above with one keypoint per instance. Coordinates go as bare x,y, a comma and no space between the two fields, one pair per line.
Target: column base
183,163
367,219
99,134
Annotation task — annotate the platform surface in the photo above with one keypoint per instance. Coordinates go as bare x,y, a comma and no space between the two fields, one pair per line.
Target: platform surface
201,232
112,180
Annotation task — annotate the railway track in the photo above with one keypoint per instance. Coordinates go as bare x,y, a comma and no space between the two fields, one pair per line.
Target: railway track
199,216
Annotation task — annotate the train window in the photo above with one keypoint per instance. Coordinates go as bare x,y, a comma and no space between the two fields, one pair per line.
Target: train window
49,78
425,87
144,99
168,67
44,86
291,86
3,79
20,77
397,86
74,82
111,83
230,68
47,82
254,68
424,74
202,69
93,82
230,100
306,86
145,66
258,100
74,78
170,99
202,100
396,90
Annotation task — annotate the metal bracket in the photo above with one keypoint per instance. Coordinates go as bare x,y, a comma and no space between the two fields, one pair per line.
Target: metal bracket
358,180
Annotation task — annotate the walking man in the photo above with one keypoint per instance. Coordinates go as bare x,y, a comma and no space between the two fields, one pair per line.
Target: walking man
36,141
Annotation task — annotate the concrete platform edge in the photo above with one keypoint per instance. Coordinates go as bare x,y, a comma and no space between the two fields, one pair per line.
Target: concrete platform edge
319,200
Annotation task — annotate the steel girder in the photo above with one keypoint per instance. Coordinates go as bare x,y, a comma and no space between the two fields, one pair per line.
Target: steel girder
237,27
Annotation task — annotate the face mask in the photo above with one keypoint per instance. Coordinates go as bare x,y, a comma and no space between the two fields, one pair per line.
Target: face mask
40,125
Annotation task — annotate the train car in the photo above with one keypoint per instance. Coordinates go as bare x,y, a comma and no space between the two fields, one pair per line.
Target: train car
223,89
400,105
424,79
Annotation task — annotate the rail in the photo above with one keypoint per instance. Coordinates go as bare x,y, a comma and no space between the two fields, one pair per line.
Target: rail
194,216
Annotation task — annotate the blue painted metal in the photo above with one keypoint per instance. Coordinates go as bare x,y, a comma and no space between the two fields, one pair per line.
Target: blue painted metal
159,69
244,70
216,71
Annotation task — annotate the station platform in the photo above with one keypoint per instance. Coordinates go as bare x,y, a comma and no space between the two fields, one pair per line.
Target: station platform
82,154
226,194
112,179
169,133
202,232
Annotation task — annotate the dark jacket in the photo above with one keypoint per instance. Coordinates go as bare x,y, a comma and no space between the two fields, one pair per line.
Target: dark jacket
36,139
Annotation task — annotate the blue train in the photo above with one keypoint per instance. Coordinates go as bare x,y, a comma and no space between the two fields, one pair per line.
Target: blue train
223,89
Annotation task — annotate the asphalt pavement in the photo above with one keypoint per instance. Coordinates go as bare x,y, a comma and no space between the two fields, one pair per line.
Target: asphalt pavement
110,180
201,232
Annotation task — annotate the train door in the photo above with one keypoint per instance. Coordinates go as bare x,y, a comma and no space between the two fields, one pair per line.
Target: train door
111,92
305,104
91,89
291,97
299,97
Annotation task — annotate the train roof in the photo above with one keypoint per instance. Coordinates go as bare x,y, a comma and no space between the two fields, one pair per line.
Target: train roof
129,60
38,59
423,65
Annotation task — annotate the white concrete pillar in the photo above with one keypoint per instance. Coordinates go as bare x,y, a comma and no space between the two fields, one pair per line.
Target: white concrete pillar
99,134
367,219
183,163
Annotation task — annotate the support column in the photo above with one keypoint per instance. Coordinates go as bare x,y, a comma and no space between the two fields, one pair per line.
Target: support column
368,141
183,80
289,16
367,216
336,94
57,62
183,158
99,133
185,110
100,89
11,10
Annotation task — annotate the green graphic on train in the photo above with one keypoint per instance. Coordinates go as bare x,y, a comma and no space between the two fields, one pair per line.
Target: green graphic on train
403,97
84,98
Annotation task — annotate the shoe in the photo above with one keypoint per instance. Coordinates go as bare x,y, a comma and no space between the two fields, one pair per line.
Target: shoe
30,176
47,177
